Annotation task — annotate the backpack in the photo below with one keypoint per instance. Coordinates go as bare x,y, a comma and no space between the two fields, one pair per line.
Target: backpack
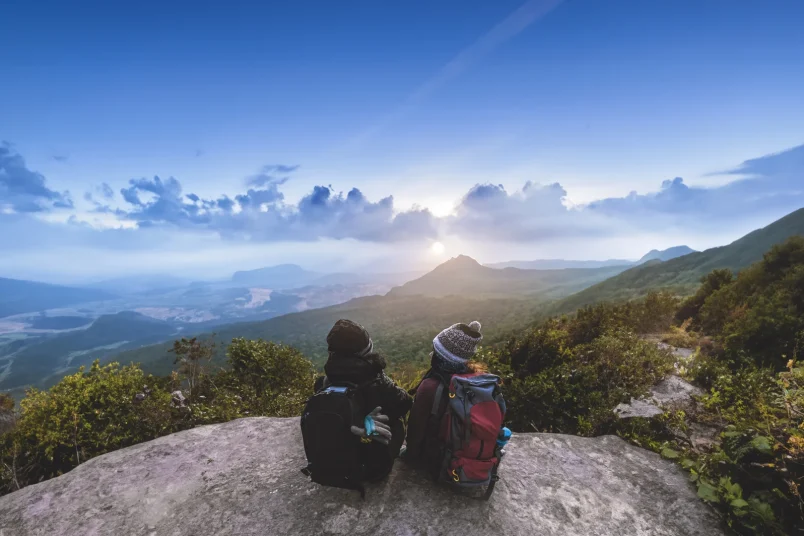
335,456
459,419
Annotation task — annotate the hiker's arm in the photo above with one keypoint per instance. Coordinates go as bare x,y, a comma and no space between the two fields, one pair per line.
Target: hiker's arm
396,401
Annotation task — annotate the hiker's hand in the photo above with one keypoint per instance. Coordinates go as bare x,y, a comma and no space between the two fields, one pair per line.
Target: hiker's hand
376,427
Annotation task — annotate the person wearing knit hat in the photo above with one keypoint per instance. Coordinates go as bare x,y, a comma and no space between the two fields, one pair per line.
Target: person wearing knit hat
455,346
353,359
454,349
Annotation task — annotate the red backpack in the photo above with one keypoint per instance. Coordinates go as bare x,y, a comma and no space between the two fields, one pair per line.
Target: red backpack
453,429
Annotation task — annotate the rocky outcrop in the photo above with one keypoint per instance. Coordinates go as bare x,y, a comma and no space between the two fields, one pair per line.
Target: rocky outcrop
670,394
243,477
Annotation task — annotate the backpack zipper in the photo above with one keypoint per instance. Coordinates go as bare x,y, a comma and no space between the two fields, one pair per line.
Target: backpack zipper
480,452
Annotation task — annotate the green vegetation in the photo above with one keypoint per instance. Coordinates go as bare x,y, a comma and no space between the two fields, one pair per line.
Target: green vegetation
681,275
110,407
750,365
402,327
564,374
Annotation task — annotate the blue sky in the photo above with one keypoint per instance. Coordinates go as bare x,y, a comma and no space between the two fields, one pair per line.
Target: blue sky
569,105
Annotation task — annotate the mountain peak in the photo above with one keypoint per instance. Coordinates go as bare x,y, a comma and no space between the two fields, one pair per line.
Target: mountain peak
666,254
461,261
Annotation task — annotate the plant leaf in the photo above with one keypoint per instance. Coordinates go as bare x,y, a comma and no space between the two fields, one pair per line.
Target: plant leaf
707,491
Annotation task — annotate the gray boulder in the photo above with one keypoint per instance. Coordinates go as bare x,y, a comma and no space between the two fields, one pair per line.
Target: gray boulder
670,394
243,477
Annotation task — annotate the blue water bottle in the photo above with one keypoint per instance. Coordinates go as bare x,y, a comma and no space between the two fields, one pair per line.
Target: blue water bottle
502,439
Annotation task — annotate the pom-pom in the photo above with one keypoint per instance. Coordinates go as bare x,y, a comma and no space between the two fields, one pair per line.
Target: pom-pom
475,325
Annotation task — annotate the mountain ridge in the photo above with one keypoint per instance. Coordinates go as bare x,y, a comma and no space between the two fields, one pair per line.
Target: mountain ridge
682,274
18,296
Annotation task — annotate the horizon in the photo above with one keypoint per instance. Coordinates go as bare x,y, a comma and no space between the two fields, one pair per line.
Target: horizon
364,137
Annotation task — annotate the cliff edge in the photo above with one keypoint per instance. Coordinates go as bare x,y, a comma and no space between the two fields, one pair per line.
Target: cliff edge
242,477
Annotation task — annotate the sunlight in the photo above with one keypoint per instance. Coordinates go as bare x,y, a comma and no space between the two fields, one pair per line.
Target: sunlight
437,248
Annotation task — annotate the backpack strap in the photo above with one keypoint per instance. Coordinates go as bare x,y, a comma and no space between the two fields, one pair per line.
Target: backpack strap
439,394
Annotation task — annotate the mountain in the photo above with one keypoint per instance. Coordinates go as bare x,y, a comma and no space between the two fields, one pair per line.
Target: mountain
18,296
404,321
464,276
137,284
682,274
402,327
280,276
58,354
666,254
558,264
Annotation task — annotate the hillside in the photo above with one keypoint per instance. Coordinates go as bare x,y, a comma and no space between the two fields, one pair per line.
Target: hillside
464,276
402,327
560,264
58,354
682,274
18,296
243,476
666,254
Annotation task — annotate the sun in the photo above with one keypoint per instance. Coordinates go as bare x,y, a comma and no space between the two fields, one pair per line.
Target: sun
437,248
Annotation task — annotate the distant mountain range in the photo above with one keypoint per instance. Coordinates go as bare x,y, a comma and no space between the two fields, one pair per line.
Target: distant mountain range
558,264
464,276
19,296
665,255
403,323
682,274
289,276
34,362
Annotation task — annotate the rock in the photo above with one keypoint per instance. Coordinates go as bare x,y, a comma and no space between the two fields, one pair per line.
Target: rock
704,436
243,477
670,394
673,393
637,408
177,399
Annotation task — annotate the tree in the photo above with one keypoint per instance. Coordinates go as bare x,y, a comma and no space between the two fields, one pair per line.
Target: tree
277,378
192,357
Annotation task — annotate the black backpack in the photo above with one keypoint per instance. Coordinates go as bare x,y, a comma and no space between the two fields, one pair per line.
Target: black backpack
335,456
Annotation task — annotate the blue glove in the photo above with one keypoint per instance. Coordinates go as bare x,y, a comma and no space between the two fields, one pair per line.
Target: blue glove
375,427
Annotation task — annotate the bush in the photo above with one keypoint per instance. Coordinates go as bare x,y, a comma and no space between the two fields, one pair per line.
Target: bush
86,414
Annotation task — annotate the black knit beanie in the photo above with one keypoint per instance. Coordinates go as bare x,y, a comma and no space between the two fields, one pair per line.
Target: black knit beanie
349,338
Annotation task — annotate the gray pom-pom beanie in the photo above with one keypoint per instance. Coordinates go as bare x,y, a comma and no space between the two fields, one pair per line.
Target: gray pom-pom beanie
458,343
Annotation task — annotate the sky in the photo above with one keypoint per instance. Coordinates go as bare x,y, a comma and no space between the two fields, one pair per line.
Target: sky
199,138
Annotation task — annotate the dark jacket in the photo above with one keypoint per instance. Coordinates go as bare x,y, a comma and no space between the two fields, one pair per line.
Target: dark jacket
394,400
383,392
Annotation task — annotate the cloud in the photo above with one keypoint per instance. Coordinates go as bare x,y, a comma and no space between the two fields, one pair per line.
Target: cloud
23,190
764,189
270,175
536,212
60,158
769,186
106,191
262,214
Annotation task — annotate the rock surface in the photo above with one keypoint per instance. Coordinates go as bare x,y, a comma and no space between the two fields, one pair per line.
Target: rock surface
243,477
670,394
